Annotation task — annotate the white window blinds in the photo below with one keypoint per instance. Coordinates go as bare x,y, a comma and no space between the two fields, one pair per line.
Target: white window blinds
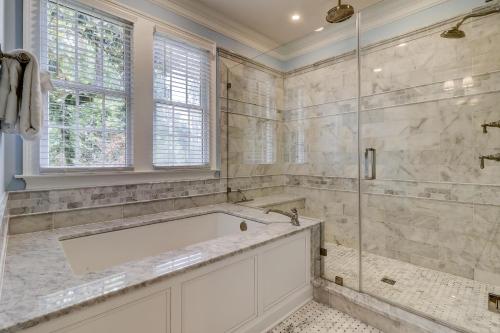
88,54
181,96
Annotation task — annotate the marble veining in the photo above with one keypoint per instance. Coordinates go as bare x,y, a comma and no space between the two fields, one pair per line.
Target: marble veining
39,284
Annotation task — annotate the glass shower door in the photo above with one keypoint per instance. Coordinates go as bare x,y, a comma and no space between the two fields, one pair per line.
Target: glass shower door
430,209
330,117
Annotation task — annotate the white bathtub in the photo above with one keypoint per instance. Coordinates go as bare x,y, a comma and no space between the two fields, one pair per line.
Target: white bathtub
97,252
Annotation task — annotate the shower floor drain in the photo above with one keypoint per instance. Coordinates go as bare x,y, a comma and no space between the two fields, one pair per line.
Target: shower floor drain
388,281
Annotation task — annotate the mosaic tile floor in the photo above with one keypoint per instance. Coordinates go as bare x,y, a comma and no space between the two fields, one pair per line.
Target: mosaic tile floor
318,318
451,299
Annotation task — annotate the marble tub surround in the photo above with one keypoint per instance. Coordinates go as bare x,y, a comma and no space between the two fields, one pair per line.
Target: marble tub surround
19,224
38,288
42,201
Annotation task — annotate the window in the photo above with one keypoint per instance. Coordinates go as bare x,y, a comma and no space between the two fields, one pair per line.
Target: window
182,75
88,54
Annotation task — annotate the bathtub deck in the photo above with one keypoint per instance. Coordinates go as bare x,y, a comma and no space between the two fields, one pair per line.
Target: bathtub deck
318,318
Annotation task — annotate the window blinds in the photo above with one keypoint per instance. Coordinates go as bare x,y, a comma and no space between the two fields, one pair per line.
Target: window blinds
88,54
181,98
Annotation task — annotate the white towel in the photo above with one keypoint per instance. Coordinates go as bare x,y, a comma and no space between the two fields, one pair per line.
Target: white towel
30,111
9,99
22,112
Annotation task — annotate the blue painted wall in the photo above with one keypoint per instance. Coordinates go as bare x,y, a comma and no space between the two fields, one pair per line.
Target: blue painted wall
13,35
2,140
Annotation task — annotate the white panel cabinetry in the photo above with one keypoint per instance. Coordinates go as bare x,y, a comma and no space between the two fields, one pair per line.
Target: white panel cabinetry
245,293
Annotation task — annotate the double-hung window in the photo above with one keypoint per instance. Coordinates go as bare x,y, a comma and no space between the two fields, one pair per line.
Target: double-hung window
182,77
87,114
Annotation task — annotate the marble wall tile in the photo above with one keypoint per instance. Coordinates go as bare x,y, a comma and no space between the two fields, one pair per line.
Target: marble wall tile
250,110
60,219
253,126
426,58
337,209
487,217
254,146
197,201
329,84
322,110
300,205
86,216
254,193
437,226
146,208
28,202
30,223
322,146
255,85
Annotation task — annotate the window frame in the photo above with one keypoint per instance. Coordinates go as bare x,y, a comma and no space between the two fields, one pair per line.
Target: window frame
140,118
128,92
212,94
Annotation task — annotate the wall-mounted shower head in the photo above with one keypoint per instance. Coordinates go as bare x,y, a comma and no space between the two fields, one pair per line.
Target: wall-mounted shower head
340,13
456,33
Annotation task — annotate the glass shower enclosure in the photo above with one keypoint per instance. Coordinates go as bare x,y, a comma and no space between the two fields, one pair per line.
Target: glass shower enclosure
386,128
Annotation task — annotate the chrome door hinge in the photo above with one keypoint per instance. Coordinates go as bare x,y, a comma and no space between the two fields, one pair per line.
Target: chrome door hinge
494,303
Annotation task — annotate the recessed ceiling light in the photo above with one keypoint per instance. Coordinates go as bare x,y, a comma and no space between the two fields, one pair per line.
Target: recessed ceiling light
402,45
377,70
320,29
295,17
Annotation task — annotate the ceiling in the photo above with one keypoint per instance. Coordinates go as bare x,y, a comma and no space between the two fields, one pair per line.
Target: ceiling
266,25
272,18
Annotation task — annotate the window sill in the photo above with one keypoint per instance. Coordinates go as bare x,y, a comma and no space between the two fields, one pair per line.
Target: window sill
65,180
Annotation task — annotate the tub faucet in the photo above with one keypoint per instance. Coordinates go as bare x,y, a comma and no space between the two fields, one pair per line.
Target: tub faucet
294,215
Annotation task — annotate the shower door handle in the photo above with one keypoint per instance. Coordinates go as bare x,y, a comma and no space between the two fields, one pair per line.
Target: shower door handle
370,163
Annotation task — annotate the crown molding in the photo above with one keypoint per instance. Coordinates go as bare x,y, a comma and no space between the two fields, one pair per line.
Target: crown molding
214,20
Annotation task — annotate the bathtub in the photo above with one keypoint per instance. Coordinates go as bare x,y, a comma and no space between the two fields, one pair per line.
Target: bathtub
220,268
100,251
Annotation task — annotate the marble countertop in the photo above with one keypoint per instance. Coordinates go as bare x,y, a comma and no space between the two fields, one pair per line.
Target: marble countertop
272,200
39,285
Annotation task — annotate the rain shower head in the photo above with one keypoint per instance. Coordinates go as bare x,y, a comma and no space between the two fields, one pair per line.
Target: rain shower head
456,33
453,33
340,13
